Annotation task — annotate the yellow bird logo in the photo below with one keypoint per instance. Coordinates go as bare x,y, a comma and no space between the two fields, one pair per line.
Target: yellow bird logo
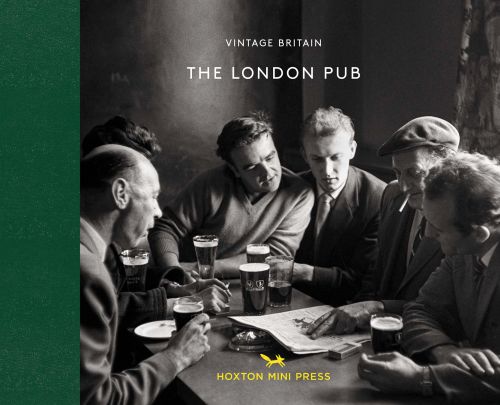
279,360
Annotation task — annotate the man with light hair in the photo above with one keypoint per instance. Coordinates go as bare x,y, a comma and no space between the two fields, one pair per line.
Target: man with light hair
340,244
119,190
455,321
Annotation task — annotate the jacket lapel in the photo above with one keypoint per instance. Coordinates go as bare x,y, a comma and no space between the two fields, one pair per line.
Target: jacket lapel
465,294
488,287
427,250
396,229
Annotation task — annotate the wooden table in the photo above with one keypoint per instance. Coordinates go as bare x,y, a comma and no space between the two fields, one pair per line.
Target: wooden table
199,384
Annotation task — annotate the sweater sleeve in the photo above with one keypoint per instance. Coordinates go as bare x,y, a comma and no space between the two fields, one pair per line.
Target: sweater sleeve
286,238
180,218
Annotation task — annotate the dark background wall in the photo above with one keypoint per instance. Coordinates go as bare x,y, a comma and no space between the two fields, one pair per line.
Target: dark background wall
134,56
133,62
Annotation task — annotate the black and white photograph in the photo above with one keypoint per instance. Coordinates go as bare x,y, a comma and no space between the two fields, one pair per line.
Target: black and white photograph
289,202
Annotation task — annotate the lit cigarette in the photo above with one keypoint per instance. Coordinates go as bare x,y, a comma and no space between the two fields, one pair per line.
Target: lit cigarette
404,203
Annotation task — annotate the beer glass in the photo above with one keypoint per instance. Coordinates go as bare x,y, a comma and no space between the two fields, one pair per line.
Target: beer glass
206,250
135,262
386,330
280,280
254,278
185,309
257,253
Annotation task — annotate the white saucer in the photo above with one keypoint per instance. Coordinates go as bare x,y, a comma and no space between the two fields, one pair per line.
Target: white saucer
156,329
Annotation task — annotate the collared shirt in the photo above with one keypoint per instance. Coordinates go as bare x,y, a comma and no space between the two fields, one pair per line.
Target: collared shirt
486,258
334,194
98,240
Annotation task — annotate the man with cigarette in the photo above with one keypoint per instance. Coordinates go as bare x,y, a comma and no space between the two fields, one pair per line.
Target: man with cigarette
249,199
406,256
455,321
340,243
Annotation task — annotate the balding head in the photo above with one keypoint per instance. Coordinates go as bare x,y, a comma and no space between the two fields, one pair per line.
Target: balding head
119,190
106,163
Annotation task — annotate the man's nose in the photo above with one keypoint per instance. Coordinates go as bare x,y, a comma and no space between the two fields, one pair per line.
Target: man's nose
404,184
328,167
157,211
266,170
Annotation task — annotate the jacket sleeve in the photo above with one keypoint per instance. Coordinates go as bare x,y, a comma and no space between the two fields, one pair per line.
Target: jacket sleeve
135,308
98,385
432,319
286,238
460,386
342,283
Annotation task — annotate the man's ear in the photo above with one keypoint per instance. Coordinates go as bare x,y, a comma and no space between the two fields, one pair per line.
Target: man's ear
482,233
354,146
233,169
120,192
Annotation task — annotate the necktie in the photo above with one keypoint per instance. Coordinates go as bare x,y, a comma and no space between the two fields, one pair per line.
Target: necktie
478,274
324,206
418,238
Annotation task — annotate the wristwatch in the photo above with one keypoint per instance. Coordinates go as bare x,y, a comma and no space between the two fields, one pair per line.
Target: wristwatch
426,383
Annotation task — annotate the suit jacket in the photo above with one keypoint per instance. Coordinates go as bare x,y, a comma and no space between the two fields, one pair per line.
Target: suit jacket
98,328
393,239
348,243
448,310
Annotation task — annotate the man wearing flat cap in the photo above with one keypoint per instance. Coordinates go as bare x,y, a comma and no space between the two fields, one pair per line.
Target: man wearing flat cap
406,257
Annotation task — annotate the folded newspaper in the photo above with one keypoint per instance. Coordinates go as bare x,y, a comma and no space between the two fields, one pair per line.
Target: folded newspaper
289,329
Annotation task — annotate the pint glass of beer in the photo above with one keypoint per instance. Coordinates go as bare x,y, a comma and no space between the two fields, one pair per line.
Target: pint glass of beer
280,280
257,253
135,262
386,330
185,309
206,250
254,279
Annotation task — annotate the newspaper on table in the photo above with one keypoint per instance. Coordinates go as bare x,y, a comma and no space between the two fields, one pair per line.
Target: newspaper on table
289,329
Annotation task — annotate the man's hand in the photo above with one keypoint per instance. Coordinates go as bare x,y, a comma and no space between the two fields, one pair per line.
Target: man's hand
345,319
190,344
302,272
190,271
214,293
391,372
477,361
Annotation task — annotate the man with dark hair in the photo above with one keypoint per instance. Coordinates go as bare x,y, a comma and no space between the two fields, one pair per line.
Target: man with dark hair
122,131
455,321
249,199
340,243
406,257
119,190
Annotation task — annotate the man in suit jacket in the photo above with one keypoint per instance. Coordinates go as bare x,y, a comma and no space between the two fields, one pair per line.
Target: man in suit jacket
119,190
340,243
455,321
406,257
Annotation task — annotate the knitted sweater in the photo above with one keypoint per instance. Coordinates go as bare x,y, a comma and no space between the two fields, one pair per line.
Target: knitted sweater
215,202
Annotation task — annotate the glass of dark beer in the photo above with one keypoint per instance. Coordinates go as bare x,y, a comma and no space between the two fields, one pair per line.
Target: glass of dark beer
257,253
135,262
386,330
185,309
254,279
205,247
280,280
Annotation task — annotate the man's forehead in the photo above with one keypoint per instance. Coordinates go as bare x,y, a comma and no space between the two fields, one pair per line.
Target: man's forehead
417,157
256,150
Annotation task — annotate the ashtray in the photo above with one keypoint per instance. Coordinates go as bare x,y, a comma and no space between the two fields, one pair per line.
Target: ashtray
251,340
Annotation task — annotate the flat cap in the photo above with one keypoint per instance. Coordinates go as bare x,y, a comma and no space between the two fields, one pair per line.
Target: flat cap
421,131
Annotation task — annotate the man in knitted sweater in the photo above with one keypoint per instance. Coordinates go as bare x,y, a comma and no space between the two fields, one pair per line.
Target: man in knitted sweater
249,199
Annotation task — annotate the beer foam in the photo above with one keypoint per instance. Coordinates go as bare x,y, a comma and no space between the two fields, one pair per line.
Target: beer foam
254,267
188,308
387,323
258,249
210,243
134,261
